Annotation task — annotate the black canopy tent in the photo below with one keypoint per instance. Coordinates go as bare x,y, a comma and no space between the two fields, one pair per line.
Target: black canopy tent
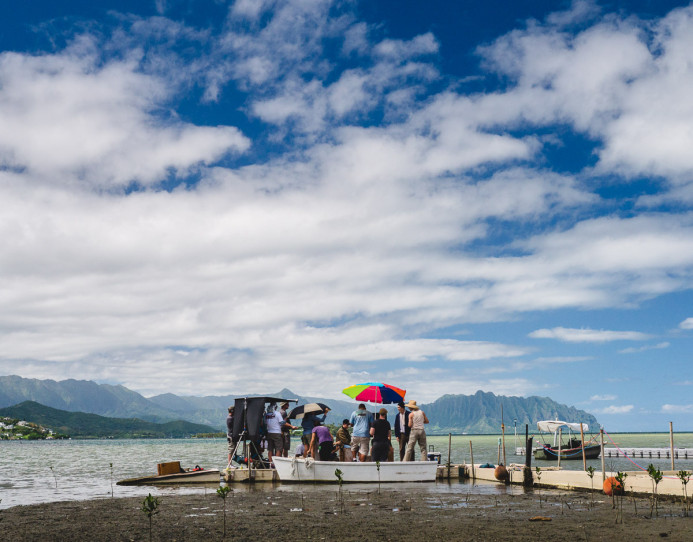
247,420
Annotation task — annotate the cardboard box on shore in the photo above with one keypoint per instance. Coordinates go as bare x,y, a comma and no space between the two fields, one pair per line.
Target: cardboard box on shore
172,467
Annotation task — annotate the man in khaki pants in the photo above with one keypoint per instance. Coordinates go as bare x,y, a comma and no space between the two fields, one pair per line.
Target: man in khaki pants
417,419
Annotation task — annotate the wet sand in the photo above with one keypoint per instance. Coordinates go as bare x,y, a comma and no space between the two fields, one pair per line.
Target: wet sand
391,514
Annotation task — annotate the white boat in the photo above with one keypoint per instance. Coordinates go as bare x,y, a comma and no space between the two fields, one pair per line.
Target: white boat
307,470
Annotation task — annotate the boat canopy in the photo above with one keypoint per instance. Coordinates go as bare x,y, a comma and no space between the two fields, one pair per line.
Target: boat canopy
551,426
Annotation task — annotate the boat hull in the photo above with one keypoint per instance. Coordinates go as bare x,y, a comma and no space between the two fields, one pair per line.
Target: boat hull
188,477
551,454
302,470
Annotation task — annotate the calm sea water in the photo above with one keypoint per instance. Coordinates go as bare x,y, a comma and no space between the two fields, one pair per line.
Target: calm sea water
44,471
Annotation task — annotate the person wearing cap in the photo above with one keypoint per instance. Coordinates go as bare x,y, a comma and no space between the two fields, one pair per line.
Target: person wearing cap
361,420
286,429
274,422
382,435
417,419
402,429
231,444
310,420
343,439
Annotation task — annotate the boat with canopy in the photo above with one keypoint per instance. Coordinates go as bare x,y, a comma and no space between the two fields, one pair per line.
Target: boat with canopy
566,450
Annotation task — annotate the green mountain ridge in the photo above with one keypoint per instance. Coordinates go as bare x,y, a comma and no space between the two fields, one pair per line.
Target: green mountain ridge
85,425
484,412
478,413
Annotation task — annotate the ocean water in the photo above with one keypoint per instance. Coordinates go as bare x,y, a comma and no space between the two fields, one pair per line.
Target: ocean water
45,471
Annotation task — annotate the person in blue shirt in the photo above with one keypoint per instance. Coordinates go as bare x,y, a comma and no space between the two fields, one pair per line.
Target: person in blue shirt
362,420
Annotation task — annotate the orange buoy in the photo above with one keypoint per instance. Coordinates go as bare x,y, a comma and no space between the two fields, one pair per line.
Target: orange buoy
611,485
501,473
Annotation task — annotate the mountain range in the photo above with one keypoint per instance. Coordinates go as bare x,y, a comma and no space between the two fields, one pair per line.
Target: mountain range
478,413
80,424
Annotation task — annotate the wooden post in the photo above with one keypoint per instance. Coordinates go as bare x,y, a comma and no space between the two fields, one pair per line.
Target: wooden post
560,438
671,442
528,478
601,445
471,454
503,432
504,459
449,447
582,440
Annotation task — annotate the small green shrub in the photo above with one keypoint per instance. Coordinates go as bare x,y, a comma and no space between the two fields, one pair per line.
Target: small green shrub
223,492
150,506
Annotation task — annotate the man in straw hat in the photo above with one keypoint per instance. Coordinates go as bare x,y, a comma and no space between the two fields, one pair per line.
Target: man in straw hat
417,419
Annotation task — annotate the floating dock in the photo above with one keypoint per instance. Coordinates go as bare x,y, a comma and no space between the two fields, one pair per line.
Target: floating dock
249,475
637,482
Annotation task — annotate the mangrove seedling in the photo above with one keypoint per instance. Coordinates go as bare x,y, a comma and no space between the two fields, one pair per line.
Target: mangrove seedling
656,476
54,476
590,473
619,487
377,466
685,477
111,465
223,492
340,478
150,506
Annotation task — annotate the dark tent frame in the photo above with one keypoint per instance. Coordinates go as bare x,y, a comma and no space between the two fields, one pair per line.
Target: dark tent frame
247,419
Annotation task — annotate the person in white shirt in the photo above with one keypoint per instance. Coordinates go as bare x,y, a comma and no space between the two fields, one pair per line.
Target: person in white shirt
274,422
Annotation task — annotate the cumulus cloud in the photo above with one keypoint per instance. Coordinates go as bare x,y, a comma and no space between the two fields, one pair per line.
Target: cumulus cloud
686,324
587,335
66,119
620,80
602,398
344,247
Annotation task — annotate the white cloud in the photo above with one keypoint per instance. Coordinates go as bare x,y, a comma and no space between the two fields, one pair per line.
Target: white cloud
632,350
615,409
677,409
686,324
65,119
622,81
425,44
341,254
587,335
602,398
562,359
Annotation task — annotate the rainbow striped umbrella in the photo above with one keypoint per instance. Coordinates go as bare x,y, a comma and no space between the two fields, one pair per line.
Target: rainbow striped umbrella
375,392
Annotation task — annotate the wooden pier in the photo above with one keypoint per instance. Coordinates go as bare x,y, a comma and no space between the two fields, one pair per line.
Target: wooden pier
639,453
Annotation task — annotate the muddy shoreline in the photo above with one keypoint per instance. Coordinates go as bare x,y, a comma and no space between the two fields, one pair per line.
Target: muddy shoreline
401,514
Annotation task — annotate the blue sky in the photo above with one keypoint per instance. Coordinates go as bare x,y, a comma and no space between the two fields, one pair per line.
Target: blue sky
211,197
